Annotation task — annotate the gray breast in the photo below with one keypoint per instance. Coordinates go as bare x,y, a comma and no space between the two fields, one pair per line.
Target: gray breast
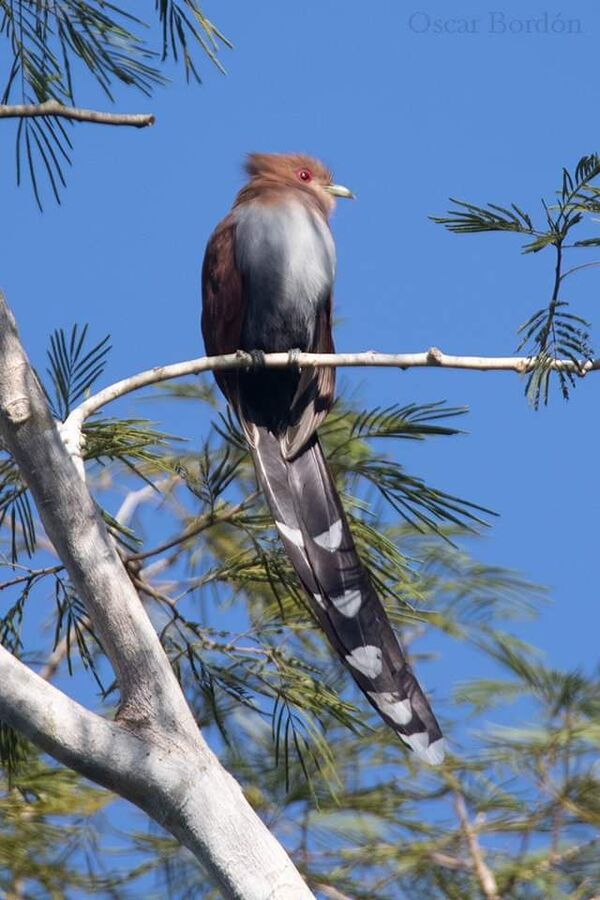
286,256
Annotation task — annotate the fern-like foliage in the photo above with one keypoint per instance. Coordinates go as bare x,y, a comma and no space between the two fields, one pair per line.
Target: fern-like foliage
184,29
73,624
134,442
14,751
348,438
413,421
15,509
73,367
215,472
49,44
552,333
50,819
467,218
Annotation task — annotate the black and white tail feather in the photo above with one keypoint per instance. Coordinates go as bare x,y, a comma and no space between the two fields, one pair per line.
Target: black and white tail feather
310,519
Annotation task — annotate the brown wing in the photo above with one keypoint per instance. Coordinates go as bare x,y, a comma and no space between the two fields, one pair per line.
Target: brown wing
223,305
314,394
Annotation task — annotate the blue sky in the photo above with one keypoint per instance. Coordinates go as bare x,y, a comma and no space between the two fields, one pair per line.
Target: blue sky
407,112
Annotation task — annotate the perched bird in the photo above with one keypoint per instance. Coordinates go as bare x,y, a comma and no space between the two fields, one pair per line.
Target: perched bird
267,284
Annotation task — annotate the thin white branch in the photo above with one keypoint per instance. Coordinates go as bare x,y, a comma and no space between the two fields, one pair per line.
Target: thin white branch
432,358
331,893
485,876
57,110
134,499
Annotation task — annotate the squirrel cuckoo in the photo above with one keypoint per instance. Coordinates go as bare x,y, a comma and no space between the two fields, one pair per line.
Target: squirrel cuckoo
267,282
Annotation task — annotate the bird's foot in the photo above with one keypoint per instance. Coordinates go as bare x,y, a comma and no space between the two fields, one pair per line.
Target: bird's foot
293,355
258,360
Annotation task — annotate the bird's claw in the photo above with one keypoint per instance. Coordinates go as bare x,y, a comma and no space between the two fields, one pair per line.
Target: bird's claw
257,359
293,356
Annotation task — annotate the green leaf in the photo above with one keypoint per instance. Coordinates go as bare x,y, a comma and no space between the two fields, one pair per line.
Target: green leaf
588,242
73,367
15,751
543,240
15,508
468,218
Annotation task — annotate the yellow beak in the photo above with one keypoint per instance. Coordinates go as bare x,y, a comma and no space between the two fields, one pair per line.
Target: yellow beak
338,190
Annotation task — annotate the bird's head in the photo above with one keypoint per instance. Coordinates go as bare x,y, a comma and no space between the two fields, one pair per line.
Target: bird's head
295,171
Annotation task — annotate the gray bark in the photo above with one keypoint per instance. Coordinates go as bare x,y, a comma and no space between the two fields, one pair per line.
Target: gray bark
152,753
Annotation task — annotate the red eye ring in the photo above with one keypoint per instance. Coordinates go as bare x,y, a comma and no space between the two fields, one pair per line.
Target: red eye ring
304,175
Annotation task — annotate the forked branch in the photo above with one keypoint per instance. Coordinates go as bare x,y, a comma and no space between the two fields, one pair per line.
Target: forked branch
152,753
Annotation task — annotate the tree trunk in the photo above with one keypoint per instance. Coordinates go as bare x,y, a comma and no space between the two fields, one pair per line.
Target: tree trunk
153,753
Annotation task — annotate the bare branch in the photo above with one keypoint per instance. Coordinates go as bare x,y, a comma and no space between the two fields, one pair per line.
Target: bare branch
450,862
432,358
32,575
70,430
485,876
206,521
331,893
135,499
57,110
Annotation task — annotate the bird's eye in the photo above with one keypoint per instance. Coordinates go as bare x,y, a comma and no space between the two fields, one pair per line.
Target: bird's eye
305,175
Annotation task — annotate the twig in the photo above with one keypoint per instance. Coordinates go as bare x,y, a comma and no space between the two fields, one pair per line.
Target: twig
485,876
570,853
134,499
229,648
331,892
57,110
31,576
205,521
450,862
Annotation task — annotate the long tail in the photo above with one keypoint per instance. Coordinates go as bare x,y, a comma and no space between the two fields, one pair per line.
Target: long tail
309,516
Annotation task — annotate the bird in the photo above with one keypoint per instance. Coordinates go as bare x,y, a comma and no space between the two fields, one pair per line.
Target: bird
267,283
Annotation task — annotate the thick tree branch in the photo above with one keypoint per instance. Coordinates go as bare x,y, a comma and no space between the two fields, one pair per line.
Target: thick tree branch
123,515
57,110
153,754
189,794
73,524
